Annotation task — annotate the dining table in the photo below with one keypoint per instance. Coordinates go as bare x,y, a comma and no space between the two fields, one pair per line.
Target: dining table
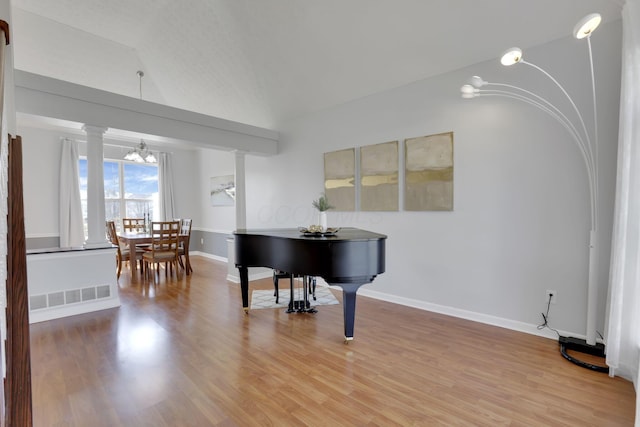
133,239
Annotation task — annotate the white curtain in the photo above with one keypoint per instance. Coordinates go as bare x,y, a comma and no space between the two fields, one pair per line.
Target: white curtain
165,182
623,331
71,225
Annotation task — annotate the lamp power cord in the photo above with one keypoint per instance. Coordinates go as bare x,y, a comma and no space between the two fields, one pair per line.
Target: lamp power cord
570,344
545,318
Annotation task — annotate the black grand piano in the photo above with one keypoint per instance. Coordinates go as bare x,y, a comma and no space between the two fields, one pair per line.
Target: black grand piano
349,259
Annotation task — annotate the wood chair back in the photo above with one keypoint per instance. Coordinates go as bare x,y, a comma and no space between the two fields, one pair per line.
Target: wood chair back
133,225
185,226
183,249
164,236
112,235
185,230
122,252
164,246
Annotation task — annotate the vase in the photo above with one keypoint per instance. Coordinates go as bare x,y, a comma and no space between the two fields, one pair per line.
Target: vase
323,220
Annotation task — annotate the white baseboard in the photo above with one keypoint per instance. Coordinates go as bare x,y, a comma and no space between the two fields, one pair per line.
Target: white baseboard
206,255
255,273
514,325
46,314
252,276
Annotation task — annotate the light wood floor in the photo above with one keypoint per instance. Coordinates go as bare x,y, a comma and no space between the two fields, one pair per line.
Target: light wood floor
183,353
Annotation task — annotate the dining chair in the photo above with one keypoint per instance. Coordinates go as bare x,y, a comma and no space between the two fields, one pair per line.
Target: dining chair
183,248
133,225
122,252
164,248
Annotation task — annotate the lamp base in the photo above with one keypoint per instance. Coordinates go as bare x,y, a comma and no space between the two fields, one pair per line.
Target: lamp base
581,346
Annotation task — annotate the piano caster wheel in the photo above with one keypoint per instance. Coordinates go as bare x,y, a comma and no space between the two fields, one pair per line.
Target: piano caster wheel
347,340
246,310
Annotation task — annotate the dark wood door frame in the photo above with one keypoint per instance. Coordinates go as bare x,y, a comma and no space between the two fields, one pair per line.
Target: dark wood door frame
17,390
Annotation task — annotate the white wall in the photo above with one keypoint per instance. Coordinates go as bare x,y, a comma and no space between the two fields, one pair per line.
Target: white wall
212,163
41,179
520,223
185,185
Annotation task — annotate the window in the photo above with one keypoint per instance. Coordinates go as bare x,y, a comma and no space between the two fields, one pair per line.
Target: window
130,190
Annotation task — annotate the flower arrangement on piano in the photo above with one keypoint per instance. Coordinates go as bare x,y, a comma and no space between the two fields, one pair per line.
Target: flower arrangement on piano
322,204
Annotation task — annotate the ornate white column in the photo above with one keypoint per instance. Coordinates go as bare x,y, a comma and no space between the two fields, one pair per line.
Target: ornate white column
241,195
95,187
241,216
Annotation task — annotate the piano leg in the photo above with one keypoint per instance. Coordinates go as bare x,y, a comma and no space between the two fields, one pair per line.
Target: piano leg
244,287
306,284
349,305
291,308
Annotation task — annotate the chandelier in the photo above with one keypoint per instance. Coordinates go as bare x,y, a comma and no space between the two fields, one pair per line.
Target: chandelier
141,152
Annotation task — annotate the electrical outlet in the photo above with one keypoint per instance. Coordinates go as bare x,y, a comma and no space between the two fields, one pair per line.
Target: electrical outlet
550,294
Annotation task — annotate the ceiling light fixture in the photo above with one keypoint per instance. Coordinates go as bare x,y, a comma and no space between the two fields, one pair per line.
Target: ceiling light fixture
587,145
141,152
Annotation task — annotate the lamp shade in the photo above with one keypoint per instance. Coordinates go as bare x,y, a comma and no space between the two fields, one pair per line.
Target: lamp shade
587,25
133,156
468,91
150,158
511,56
477,81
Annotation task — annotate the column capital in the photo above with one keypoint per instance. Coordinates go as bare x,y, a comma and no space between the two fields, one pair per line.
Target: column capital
94,130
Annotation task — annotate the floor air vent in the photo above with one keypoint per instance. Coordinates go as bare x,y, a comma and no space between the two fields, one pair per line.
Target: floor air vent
72,296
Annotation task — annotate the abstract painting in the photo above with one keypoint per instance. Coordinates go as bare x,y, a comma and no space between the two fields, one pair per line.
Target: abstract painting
379,177
339,179
223,190
429,173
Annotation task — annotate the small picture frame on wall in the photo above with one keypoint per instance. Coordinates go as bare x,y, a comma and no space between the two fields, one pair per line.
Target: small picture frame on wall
223,190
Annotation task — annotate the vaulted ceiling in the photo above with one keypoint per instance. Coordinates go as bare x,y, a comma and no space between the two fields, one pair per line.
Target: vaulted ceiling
263,62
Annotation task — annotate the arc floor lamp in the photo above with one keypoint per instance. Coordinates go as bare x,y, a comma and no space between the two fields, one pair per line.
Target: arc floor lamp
588,146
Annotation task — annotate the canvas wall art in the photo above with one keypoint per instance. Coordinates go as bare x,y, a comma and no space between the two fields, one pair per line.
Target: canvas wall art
223,190
339,179
379,177
429,173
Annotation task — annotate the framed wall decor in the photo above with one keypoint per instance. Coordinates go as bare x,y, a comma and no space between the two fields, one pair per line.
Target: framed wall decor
429,173
379,177
223,190
339,179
